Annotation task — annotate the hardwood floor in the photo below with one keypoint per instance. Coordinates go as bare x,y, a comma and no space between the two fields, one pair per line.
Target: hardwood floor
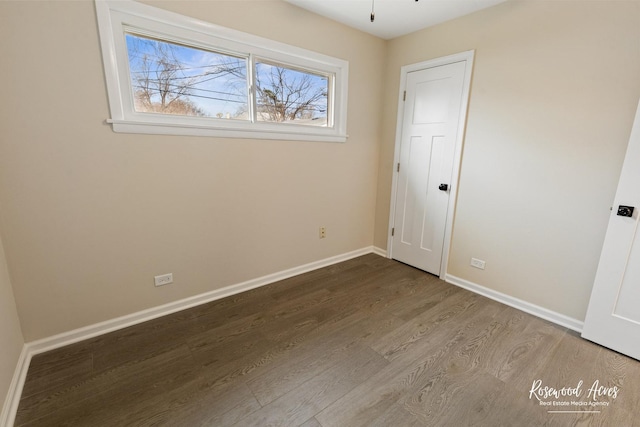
368,342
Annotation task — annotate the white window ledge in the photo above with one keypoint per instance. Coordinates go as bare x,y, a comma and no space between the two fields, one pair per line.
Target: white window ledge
129,126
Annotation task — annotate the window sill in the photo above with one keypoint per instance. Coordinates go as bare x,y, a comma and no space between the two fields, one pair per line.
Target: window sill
127,126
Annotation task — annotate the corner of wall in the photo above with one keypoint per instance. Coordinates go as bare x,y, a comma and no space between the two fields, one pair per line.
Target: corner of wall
13,359
12,399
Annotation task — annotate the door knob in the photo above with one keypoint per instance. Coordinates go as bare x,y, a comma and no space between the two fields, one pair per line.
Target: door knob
443,187
625,210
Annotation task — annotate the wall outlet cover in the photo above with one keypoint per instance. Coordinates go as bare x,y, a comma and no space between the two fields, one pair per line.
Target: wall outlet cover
477,263
163,279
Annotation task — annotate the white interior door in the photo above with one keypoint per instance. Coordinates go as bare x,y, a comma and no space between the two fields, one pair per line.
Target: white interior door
613,316
430,126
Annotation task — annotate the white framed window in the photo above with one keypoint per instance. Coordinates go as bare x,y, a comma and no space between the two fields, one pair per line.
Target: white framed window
171,74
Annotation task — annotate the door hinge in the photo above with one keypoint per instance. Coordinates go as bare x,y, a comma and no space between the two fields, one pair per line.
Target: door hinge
393,231
404,96
398,168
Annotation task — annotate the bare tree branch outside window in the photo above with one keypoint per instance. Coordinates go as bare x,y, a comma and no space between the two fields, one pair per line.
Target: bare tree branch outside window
287,95
169,78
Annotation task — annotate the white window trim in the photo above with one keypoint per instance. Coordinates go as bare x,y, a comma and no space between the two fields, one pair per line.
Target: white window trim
115,15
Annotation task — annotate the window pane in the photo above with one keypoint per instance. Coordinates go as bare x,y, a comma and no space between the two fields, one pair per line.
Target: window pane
286,95
170,78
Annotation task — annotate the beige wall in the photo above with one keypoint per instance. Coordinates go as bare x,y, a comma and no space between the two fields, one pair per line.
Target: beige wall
11,340
91,216
553,95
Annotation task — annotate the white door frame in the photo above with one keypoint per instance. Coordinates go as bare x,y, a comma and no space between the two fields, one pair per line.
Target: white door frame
445,60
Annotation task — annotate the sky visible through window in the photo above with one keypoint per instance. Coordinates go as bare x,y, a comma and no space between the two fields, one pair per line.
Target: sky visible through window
170,78
174,79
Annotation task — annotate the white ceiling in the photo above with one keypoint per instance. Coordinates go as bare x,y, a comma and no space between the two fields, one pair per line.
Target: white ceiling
393,18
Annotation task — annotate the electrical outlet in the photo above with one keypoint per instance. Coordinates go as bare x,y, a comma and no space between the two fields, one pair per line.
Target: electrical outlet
477,263
323,232
163,279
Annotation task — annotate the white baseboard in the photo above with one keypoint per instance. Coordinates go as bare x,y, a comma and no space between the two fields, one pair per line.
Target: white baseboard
10,407
379,251
527,307
66,338
7,417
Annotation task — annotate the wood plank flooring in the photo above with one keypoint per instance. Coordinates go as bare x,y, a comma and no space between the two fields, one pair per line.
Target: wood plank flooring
368,342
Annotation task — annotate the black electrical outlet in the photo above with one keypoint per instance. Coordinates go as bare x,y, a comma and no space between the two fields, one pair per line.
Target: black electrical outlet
625,210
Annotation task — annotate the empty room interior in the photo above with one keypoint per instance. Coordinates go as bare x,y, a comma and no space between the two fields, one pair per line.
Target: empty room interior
439,234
